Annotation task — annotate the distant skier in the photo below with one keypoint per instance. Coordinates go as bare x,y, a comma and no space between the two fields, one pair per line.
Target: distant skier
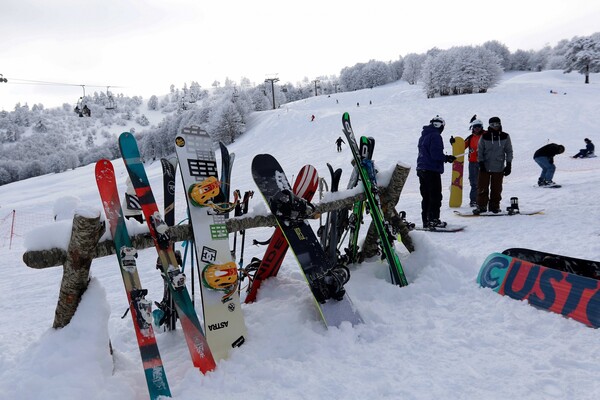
312,118
339,142
588,151
544,157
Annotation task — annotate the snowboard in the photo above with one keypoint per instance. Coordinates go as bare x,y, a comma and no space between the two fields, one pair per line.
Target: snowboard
447,228
456,185
305,186
500,214
223,318
154,371
571,295
555,186
578,266
198,347
314,263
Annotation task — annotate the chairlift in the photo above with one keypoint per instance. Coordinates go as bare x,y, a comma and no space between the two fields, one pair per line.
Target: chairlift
81,108
110,101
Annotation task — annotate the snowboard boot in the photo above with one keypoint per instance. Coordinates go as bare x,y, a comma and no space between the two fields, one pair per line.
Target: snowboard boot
436,223
478,210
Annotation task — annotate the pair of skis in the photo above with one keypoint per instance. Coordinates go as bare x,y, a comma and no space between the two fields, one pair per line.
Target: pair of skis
367,176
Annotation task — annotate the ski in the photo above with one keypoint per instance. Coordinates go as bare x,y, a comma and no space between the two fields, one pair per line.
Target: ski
330,233
223,317
166,314
571,295
200,352
326,281
366,171
352,254
226,168
578,266
305,186
139,307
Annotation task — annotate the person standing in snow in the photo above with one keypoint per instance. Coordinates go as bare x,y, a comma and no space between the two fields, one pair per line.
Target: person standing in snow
493,151
471,143
339,142
544,157
430,167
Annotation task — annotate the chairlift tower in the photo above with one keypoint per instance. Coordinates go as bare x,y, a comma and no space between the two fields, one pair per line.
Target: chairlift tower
272,80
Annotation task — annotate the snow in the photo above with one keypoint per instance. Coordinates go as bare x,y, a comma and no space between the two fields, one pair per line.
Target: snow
442,336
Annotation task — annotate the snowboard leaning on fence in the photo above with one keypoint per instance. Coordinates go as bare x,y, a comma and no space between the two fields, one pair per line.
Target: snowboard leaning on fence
154,371
223,318
271,180
200,352
571,295
305,186
456,185
372,194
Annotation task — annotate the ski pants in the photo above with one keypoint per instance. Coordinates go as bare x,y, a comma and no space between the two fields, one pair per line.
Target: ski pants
548,168
489,190
473,178
430,185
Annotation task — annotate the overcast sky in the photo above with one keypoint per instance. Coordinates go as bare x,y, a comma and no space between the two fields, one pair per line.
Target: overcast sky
144,46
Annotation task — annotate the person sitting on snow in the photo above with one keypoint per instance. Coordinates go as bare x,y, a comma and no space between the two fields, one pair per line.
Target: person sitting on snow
588,151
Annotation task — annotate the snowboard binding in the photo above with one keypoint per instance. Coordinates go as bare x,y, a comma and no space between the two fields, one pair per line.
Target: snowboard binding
223,277
143,307
162,230
289,207
128,256
331,285
514,206
203,194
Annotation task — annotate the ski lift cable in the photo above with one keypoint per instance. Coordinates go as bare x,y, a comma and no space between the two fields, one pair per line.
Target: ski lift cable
19,81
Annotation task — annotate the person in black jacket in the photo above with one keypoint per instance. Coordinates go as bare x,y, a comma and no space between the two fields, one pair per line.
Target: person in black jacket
544,157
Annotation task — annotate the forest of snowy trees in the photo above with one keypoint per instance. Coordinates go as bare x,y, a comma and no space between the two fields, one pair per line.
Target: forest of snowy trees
36,141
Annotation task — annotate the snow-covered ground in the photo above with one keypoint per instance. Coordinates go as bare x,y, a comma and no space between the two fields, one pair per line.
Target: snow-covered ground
442,336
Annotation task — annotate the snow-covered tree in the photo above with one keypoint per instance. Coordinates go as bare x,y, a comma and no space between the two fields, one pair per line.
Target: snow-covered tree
153,103
501,51
225,122
413,64
583,55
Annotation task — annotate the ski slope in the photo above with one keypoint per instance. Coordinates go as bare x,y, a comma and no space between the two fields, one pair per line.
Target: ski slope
440,337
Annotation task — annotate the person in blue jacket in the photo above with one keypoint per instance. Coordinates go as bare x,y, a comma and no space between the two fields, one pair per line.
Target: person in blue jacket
588,151
430,167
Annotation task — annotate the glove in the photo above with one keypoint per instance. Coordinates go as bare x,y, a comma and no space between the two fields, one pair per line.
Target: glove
482,166
507,169
452,140
450,159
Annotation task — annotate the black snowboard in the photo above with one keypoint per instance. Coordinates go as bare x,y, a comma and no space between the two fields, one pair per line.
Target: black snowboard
578,266
271,181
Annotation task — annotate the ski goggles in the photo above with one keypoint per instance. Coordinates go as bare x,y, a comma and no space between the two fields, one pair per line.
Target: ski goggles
495,125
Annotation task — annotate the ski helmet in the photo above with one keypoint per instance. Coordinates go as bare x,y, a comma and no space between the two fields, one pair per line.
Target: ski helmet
438,122
476,122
